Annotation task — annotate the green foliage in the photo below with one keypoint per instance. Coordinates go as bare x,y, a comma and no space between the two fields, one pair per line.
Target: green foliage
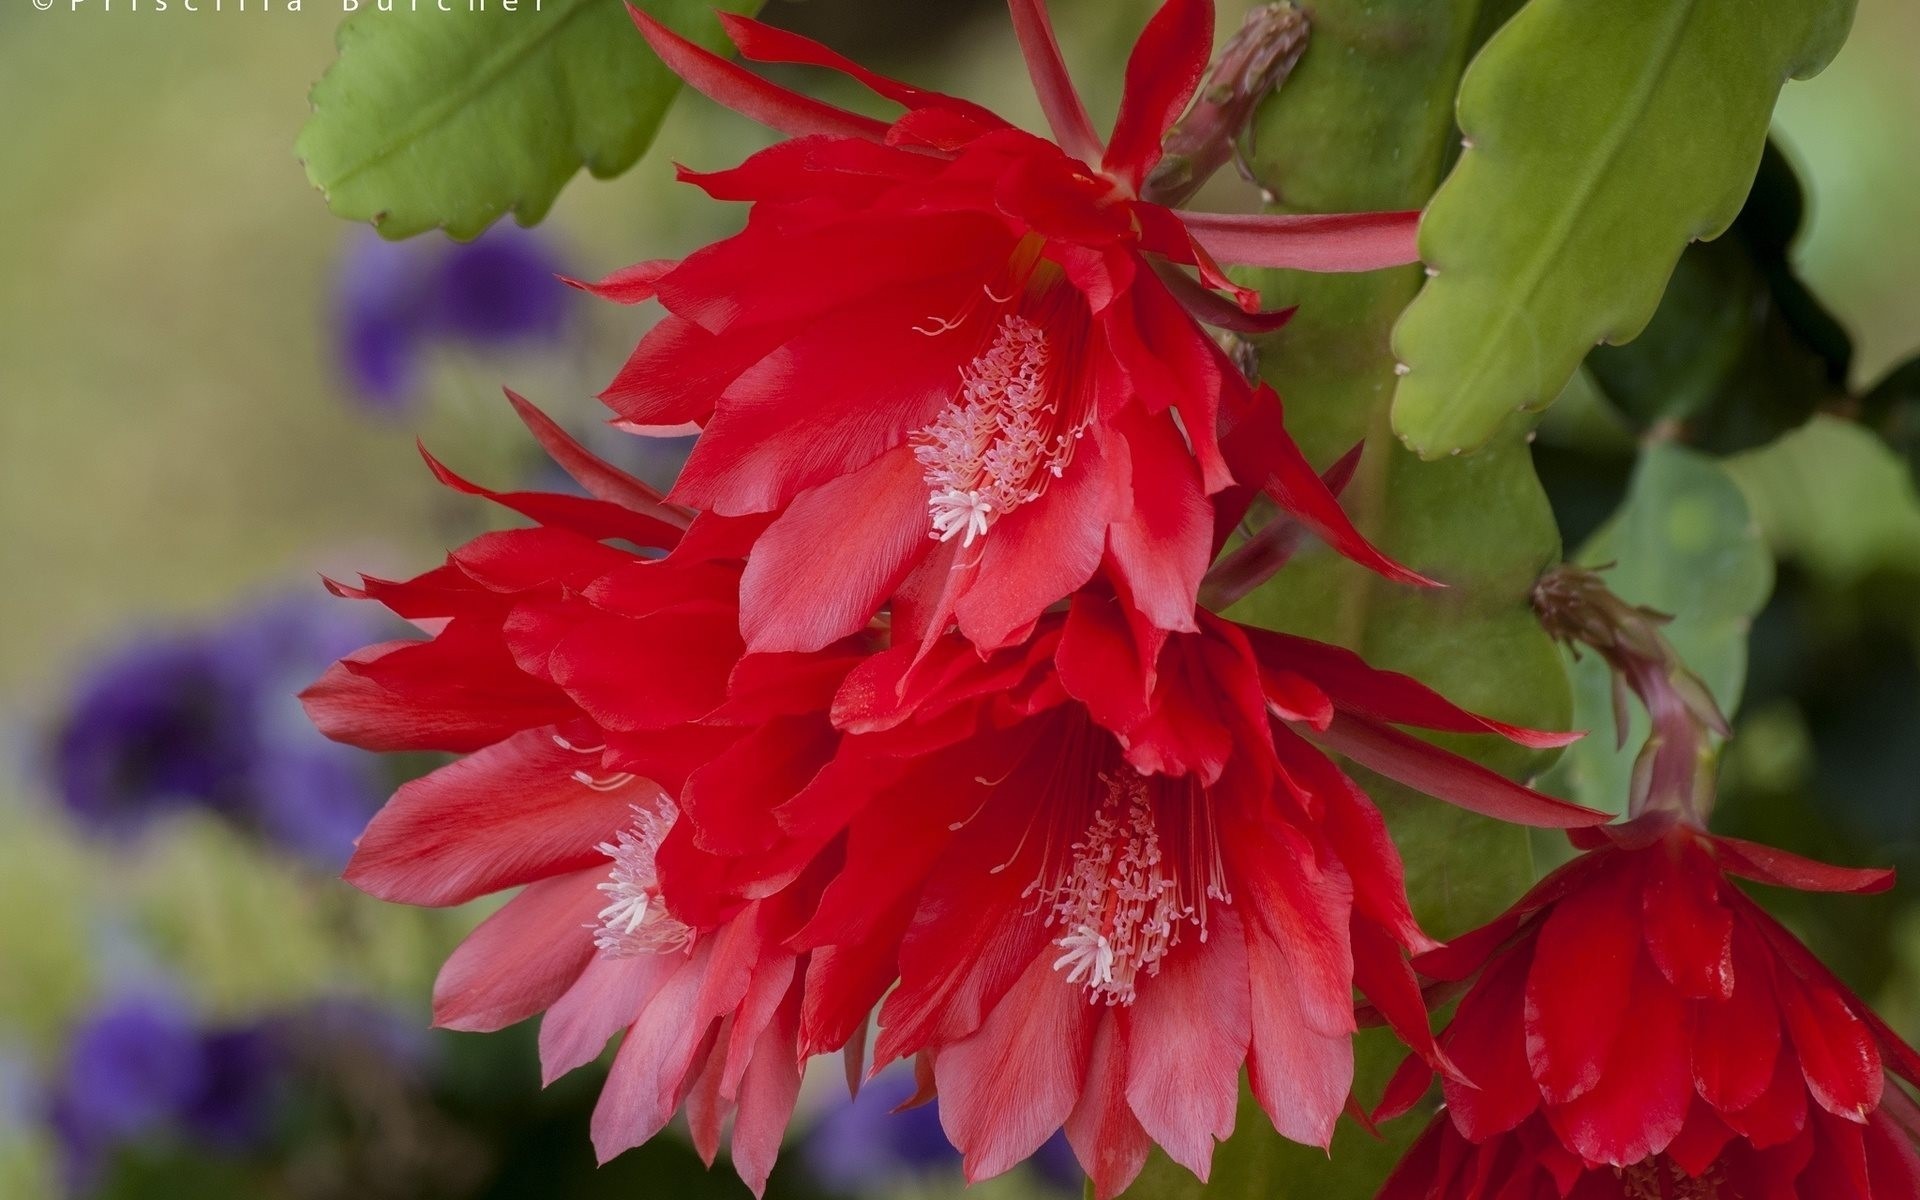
1360,125
430,121
1739,351
1601,139
1892,406
1684,543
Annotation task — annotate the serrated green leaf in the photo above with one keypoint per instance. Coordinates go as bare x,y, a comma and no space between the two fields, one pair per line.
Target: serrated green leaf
1602,139
1363,123
1739,351
1683,542
429,119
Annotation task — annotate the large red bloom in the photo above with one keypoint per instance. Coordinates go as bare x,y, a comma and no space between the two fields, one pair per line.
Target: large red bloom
1099,902
956,360
578,679
1637,1027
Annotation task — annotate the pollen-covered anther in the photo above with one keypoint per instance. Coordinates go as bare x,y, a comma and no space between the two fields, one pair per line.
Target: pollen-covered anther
635,920
1123,899
1000,442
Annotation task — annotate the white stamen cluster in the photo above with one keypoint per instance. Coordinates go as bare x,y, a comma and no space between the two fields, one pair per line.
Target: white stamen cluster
996,446
635,920
1120,903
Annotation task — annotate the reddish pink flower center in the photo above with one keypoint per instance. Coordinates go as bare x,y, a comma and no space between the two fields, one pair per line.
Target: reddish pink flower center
1003,439
1131,886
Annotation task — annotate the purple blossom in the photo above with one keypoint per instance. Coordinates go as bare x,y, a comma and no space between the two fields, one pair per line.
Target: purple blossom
208,718
395,299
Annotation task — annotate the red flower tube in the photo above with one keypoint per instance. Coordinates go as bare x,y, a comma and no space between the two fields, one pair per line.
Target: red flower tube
953,359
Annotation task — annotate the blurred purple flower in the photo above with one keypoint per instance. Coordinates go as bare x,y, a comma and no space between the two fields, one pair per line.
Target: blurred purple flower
863,1147
394,299
208,718
140,1067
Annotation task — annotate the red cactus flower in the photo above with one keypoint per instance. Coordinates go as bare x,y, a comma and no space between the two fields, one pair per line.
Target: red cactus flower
1099,901
1638,1027
578,679
946,356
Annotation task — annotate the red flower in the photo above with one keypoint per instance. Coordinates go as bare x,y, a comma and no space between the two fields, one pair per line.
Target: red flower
1639,1028
578,680
1100,903
946,356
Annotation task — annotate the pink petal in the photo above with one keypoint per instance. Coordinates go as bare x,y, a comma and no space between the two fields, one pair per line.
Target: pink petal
609,995
628,285
1309,241
1066,116
1006,1088
1189,1032
513,965
1105,1135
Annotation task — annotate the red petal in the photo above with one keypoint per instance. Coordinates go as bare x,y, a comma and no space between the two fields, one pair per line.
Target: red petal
1737,1040
628,285
600,478
1066,116
1835,1047
1190,1029
1006,1088
764,43
828,563
1458,781
1764,864
1584,964
1159,543
1309,241
1688,931
1300,964
1638,1103
747,93
1041,552
1206,305
1262,454
590,518
1105,1135
1162,74
513,966
1486,1039
1383,696
508,815
767,1096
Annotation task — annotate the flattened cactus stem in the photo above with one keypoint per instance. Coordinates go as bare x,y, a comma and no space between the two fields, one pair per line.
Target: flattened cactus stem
1254,64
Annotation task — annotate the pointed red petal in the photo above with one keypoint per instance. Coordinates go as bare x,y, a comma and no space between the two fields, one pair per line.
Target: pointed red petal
1066,116
1308,241
1764,864
747,93
600,478
1211,308
763,43
1458,781
1262,454
1163,73
628,285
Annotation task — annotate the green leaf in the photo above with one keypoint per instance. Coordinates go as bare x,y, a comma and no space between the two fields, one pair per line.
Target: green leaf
1363,124
1683,542
1602,138
1739,351
1892,407
429,119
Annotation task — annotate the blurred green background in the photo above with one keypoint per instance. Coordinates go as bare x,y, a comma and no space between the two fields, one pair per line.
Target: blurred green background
181,436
